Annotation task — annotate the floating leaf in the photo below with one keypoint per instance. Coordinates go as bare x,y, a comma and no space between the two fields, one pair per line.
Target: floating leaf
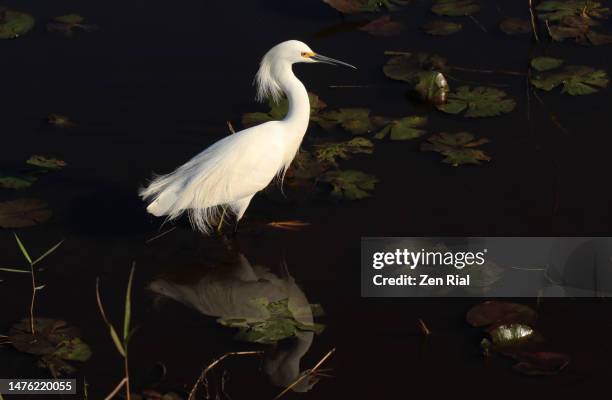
60,121
515,26
403,129
578,28
23,213
305,166
540,363
328,152
455,8
357,6
280,323
355,120
442,27
458,148
479,102
407,67
383,26
16,182
575,80
432,87
546,63
54,342
510,335
67,24
279,109
350,184
43,162
555,10
14,23
493,313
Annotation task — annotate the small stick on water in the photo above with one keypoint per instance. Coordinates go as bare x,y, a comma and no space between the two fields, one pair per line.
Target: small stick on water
478,23
216,362
306,374
231,127
160,235
533,21
424,329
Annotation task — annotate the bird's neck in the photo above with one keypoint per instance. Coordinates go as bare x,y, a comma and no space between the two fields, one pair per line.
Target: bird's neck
299,104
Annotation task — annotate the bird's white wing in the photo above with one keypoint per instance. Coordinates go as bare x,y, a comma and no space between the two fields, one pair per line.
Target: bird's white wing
235,167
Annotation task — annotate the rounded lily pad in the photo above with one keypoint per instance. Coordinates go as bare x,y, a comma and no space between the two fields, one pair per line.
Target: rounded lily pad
23,213
383,26
404,129
442,27
575,80
16,182
546,63
515,26
478,102
455,8
14,23
44,162
350,184
69,19
458,148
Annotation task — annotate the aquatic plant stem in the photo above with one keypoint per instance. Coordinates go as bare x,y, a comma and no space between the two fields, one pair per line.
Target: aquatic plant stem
127,374
202,377
306,374
32,300
533,21
115,390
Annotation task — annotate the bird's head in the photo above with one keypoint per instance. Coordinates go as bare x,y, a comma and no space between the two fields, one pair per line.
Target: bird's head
279,59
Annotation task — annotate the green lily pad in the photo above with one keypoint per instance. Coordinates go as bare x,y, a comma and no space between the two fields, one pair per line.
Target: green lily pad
546,63
44,162
60,121
510,335
350,184
67,24
16,182
23,213
14,23
305,166
279,324
278,111
575,80
442,27
555,10
404,128
458,148
579,29
383,26
55,343
515,26
355,120
407,67
328,152
455,8
358,6
479,102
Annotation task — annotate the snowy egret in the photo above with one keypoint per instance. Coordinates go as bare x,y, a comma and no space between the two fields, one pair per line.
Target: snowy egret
227,175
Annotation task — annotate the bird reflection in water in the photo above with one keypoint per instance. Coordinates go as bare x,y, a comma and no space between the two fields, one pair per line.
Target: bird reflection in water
232,292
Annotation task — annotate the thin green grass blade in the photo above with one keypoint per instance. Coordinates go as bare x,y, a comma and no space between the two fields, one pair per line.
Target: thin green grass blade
127,316
113,332
46,253
23,249
20,271
116,340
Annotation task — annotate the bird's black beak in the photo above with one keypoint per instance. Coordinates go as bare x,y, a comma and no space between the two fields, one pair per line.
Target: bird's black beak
327,60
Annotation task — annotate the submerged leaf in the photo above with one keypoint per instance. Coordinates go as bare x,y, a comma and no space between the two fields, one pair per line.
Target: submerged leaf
328,152
22,213
458,148
575,80
350,184
515,26
43,162
442,27
67,24
16,182
403,129
355,120
455,8
479,102
383,26
14,23
546,63
540,363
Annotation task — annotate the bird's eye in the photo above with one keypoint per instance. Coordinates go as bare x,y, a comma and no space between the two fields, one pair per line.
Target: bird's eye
307,54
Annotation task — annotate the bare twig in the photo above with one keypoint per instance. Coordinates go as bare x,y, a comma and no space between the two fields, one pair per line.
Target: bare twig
116,389
424,329
533,21
213,364
478,23
160,235
306,374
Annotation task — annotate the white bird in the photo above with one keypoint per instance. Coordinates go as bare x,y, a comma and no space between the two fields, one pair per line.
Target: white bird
227,175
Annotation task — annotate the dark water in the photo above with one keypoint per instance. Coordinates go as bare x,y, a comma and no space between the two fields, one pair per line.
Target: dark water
157,83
